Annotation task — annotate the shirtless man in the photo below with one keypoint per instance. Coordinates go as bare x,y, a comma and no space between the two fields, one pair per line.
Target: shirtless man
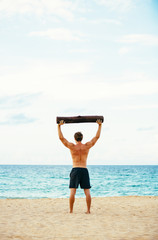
79,173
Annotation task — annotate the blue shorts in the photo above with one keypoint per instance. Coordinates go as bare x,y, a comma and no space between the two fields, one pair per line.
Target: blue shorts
79,176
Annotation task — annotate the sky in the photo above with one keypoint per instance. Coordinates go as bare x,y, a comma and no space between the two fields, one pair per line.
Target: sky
78,57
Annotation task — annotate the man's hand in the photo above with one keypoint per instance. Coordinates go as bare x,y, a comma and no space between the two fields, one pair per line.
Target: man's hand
61,123
99,122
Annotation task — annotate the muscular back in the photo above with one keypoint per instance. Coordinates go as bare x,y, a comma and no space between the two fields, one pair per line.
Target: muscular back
79,153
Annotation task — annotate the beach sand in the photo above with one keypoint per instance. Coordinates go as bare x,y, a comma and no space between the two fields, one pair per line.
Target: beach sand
111,218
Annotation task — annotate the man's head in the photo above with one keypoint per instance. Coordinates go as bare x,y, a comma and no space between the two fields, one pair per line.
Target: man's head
78,136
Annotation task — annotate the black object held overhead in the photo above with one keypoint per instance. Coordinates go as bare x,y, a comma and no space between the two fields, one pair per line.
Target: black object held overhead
79,119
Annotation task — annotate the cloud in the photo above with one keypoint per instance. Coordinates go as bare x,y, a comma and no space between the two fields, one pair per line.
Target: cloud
135,107
18,119
61,80
108,21
103,90
117,5
146,129
42,76
17,101
59,34
123,50
82,50
61,8
10,105
144,39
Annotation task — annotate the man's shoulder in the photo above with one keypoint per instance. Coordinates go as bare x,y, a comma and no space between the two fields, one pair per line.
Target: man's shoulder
67,143
85,146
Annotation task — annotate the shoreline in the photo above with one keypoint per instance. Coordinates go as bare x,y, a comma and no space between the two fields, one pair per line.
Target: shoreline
78,197
111,218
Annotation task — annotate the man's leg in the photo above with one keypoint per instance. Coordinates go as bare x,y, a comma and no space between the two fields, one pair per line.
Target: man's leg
88,199
72,198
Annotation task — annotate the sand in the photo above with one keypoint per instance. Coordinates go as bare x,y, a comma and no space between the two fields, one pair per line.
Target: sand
111,218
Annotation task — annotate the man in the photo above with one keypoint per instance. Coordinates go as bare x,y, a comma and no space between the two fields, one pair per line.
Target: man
79,173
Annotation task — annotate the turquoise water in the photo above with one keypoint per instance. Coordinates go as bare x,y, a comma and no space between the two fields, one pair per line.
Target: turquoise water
20,181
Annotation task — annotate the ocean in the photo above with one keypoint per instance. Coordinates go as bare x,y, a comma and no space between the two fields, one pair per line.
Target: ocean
43,181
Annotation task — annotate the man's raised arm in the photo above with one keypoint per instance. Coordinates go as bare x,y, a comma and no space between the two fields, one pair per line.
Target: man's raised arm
61,137
95,139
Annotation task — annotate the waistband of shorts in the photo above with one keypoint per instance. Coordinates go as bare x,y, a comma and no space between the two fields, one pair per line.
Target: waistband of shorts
79,168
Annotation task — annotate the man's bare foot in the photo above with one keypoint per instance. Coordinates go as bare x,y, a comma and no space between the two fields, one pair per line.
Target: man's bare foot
71,211
88,212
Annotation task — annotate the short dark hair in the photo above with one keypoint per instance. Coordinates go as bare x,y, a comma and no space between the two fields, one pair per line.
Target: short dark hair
78,136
